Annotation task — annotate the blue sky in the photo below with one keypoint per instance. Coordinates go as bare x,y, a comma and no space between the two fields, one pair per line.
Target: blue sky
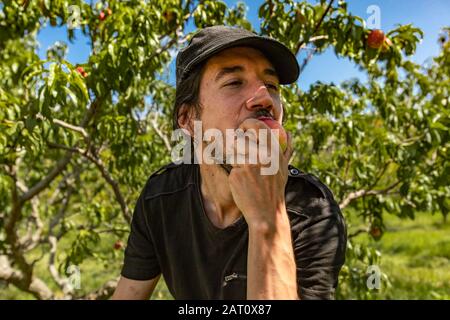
428,15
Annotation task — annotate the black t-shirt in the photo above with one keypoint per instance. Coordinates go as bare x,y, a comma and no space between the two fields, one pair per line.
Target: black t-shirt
171,234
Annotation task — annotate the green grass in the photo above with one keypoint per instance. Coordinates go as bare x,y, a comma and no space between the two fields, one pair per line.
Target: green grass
415,256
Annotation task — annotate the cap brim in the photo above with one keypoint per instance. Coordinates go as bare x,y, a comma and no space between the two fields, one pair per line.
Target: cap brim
282,59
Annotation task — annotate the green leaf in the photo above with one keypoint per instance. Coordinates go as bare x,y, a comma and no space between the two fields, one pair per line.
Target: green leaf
71,95
111,53
51,76
79,83
42,97
439,125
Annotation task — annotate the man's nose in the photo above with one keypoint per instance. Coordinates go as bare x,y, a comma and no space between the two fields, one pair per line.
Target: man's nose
261,100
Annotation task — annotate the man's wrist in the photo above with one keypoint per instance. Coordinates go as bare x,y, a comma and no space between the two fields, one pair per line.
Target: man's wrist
269,227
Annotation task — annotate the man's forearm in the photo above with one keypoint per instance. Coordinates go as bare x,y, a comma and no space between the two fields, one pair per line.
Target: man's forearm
271,269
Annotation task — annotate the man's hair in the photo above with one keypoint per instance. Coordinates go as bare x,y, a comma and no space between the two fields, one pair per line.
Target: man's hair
188,94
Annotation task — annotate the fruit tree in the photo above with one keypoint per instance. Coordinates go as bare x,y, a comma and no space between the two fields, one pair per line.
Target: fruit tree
77,142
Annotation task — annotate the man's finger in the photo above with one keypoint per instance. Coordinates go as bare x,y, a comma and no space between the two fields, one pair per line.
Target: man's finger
253,125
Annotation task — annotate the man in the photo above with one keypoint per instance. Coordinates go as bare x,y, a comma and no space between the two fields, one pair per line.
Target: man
218,231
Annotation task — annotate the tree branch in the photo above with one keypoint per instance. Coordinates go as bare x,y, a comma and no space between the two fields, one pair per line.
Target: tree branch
380,175
53,240
306,60
362,193
359,231
105,174
71,127
299,46
41,185
65,202
61,164
36,286
31,238
62,282
66,125
53,199
312,39
11,234
155,126
113,183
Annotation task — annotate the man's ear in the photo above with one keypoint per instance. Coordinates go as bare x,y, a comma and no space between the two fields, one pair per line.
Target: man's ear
186,118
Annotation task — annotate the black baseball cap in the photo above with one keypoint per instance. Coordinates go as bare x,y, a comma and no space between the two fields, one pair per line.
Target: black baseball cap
211,40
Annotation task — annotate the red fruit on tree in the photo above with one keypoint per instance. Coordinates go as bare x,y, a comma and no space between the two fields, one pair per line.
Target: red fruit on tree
375,39
118,245
81,71
375,232
102,16
282,135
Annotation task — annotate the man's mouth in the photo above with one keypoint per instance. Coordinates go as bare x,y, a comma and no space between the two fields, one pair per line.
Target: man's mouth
263,115
262,118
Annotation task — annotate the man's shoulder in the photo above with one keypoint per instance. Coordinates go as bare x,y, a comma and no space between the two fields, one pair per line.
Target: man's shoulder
313,184
169,179
305,191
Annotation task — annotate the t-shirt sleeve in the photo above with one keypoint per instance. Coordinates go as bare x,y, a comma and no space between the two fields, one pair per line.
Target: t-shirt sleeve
140,262
319,247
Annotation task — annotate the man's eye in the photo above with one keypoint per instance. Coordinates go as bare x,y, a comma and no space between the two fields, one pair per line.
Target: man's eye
272,86
234,83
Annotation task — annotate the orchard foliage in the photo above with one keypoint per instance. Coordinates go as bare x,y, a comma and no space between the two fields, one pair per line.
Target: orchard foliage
77,142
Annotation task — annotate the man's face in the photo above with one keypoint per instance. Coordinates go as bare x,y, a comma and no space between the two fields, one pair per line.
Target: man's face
236,83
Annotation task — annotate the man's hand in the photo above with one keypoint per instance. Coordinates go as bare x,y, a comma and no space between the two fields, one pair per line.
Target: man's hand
260,197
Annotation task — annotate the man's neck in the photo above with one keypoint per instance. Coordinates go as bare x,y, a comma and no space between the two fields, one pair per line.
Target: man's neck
217,198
